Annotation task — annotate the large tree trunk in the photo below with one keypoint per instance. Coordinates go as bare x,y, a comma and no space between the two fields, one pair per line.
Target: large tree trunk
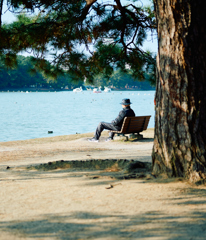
180,122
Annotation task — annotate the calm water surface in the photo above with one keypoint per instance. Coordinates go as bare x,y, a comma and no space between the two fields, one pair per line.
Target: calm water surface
32,115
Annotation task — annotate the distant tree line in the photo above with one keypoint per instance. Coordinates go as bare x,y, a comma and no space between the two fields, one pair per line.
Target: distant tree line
25,76
120,80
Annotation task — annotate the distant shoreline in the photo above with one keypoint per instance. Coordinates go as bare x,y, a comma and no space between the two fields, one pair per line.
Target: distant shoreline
60,90
66,137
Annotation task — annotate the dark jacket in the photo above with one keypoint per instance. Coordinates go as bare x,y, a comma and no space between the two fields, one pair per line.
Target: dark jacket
126,112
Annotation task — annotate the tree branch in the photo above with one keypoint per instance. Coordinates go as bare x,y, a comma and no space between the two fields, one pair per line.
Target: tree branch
87,7
1,9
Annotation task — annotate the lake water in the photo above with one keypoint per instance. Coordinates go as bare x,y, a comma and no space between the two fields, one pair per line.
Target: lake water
32,115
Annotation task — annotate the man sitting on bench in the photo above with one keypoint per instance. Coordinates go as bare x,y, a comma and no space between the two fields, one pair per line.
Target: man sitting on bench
116,124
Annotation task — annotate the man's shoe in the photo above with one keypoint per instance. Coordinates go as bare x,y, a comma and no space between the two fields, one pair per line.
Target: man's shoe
108,139
93,140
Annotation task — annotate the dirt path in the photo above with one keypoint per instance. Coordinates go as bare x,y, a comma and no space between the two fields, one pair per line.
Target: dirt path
73,147
93,204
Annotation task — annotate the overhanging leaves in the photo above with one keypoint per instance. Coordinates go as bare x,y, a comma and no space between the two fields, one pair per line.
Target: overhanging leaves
81,37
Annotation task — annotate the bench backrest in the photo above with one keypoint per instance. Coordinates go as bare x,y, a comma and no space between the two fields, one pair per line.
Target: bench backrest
135,124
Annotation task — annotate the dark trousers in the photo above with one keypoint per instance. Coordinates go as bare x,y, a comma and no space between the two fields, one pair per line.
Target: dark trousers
108,126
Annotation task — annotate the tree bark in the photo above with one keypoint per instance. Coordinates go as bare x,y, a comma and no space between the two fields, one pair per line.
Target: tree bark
180,120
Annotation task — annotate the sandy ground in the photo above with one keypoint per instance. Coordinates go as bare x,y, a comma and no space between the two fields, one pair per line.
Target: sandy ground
76,204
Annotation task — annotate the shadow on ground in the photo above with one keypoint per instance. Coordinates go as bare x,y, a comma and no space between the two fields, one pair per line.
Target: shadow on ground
86,225
189,225
114,169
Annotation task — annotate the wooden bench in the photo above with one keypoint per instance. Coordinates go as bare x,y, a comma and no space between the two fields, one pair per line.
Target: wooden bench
133,125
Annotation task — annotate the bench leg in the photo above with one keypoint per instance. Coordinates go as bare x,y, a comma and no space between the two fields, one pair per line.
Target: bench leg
136,136
121,137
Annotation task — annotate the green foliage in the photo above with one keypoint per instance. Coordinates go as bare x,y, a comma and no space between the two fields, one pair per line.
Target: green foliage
122,81
23,76
83,38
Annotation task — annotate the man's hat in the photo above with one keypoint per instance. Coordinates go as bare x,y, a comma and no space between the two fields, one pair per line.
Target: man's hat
125,101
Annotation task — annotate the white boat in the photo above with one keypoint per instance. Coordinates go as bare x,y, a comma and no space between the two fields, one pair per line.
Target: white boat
106,89
97,90
78,89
